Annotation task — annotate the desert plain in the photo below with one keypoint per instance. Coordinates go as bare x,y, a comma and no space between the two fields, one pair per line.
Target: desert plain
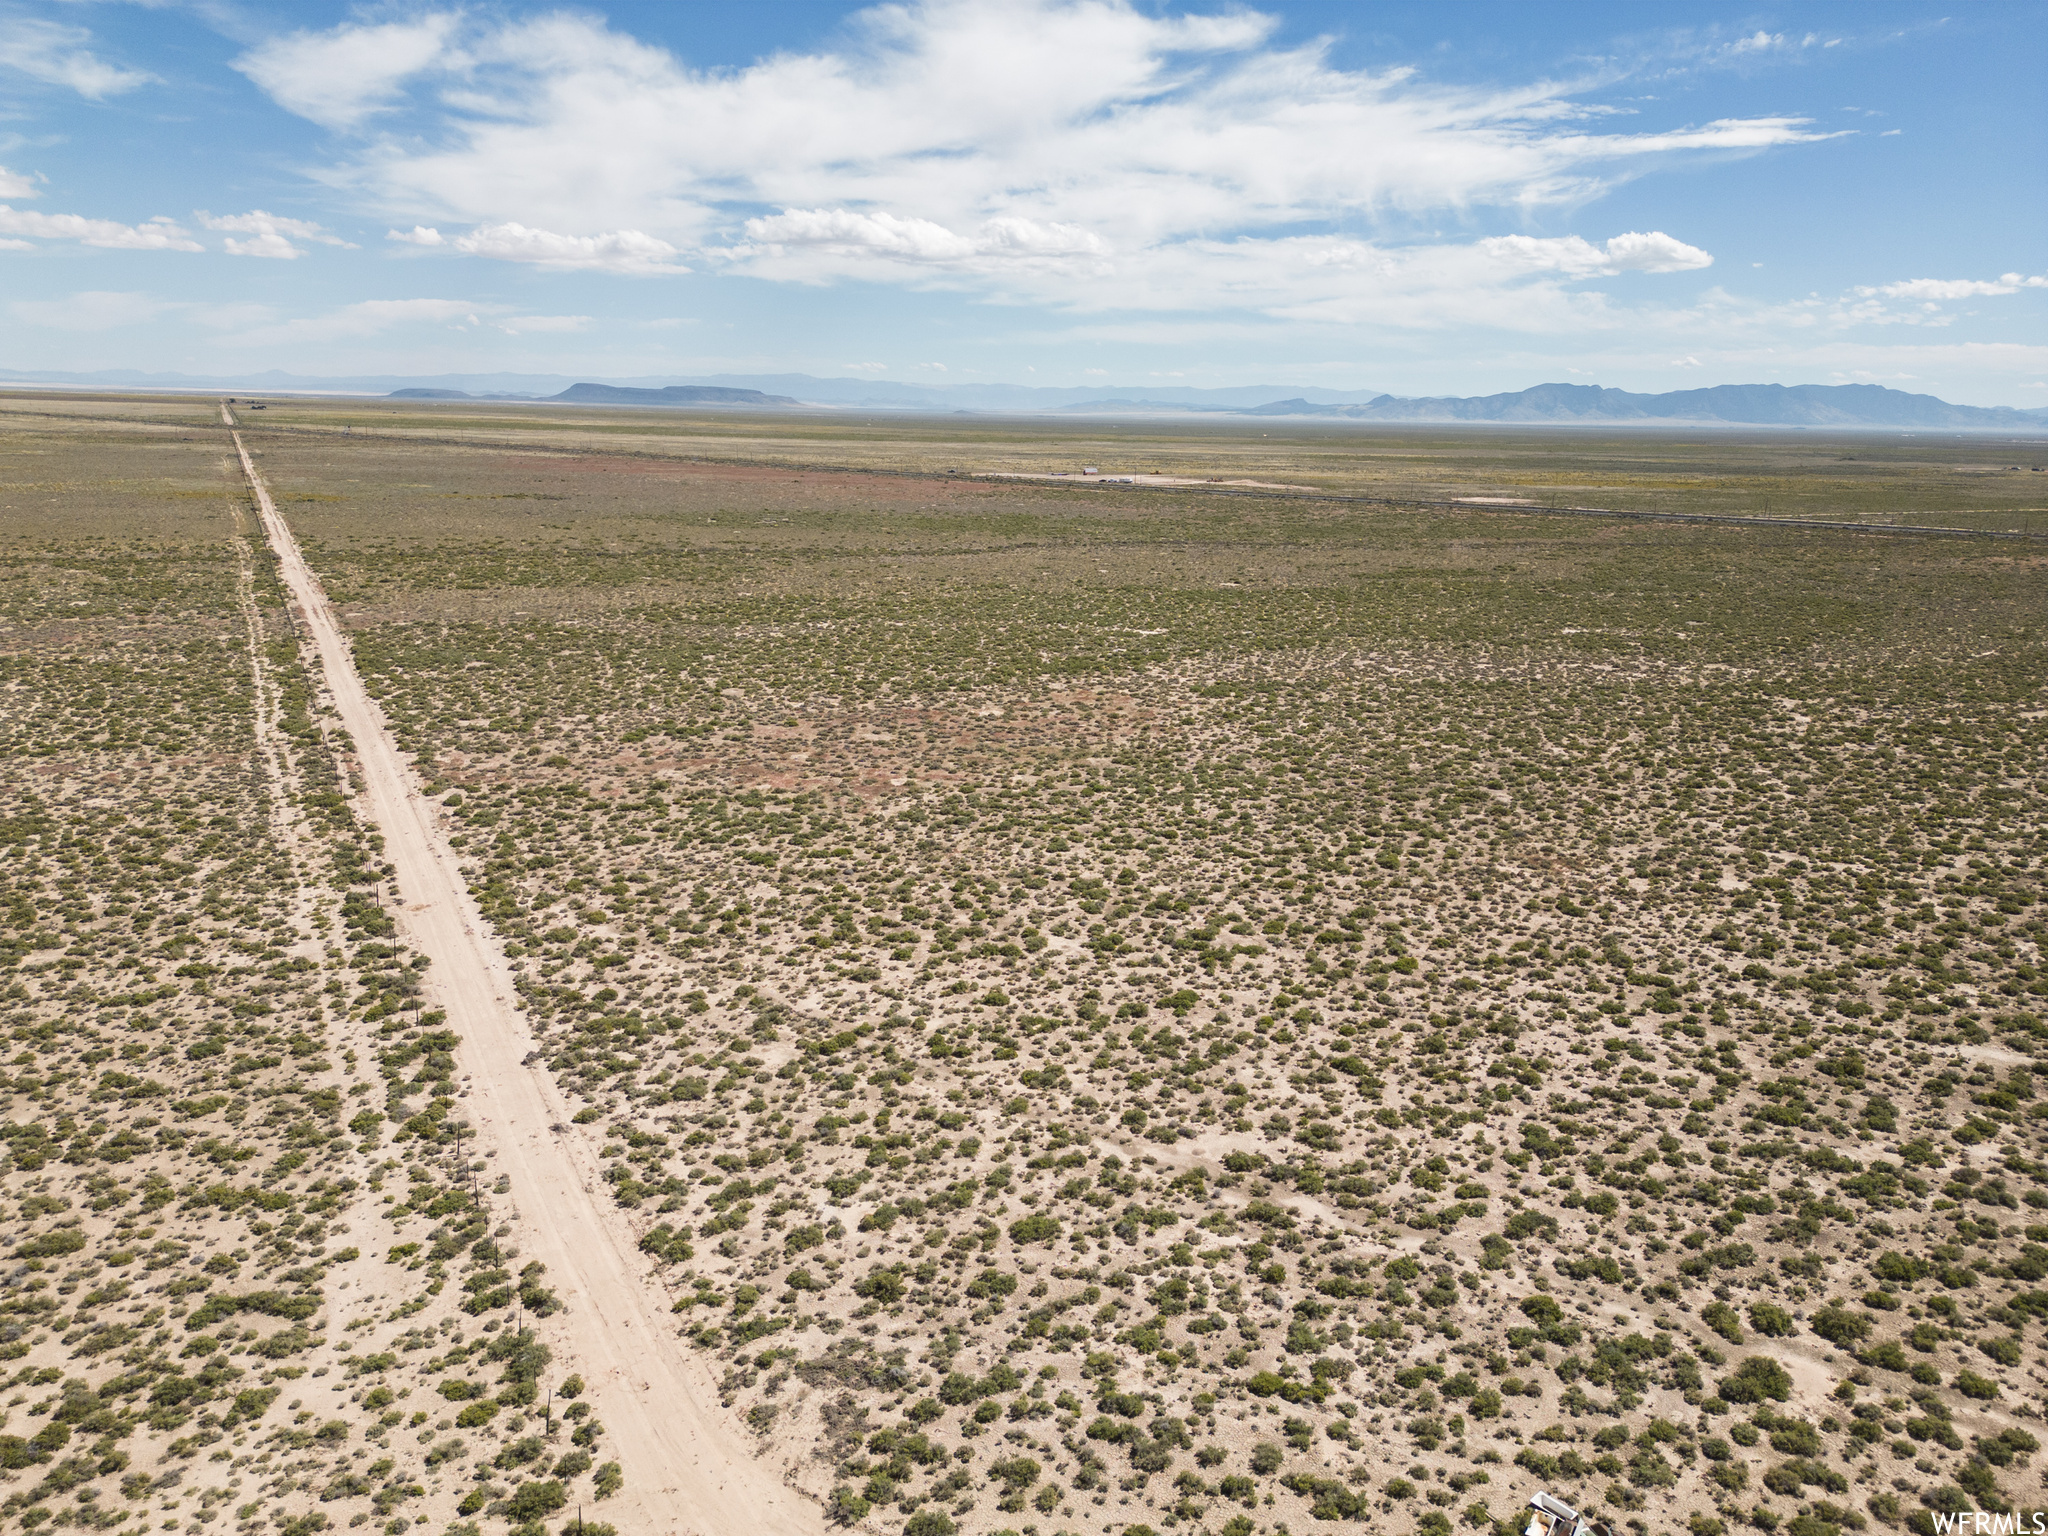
655,971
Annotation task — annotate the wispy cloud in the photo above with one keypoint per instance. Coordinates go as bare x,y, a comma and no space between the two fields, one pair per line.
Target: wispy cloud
1762,42
1923,301
1943,289
159,234
92,310
57,55
270,235
839,233
13,184
380,317
258,325
371,317
339,77
1632,252
617,250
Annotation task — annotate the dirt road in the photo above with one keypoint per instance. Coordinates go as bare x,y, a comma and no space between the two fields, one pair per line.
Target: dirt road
689,1465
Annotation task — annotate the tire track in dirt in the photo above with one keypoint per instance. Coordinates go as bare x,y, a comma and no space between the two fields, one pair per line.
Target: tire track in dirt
689,1467
287,825
365,1273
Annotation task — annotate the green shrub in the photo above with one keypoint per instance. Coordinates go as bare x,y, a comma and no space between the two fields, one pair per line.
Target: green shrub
1970,1384
1773,1322
530,1501
1722,1318
1757,1378
1035,1228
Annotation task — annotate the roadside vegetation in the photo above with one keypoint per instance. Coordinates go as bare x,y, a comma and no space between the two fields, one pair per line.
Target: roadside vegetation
251,1278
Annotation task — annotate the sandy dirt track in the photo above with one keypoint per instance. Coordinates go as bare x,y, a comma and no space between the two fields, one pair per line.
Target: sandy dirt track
689,1465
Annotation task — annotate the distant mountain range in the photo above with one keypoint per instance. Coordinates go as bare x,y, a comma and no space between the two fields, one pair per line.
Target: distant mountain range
1732,405
803,388
871,393
1761,405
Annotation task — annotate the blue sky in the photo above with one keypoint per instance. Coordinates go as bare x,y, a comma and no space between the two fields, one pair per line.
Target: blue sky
1414,197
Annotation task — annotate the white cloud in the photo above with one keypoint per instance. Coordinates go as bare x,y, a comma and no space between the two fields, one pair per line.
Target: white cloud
89,311
618,250
1068,151
14,184
1632,252
837,238
57,55
271,245
1919,301
1712,46
159,234
1654,252
272,234
1757,42
339,77
252,324
1516,283
1938,289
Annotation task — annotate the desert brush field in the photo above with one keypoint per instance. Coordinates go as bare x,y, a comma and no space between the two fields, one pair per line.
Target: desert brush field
973,1005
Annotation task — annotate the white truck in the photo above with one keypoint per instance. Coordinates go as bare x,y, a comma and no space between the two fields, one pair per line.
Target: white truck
1553,1517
